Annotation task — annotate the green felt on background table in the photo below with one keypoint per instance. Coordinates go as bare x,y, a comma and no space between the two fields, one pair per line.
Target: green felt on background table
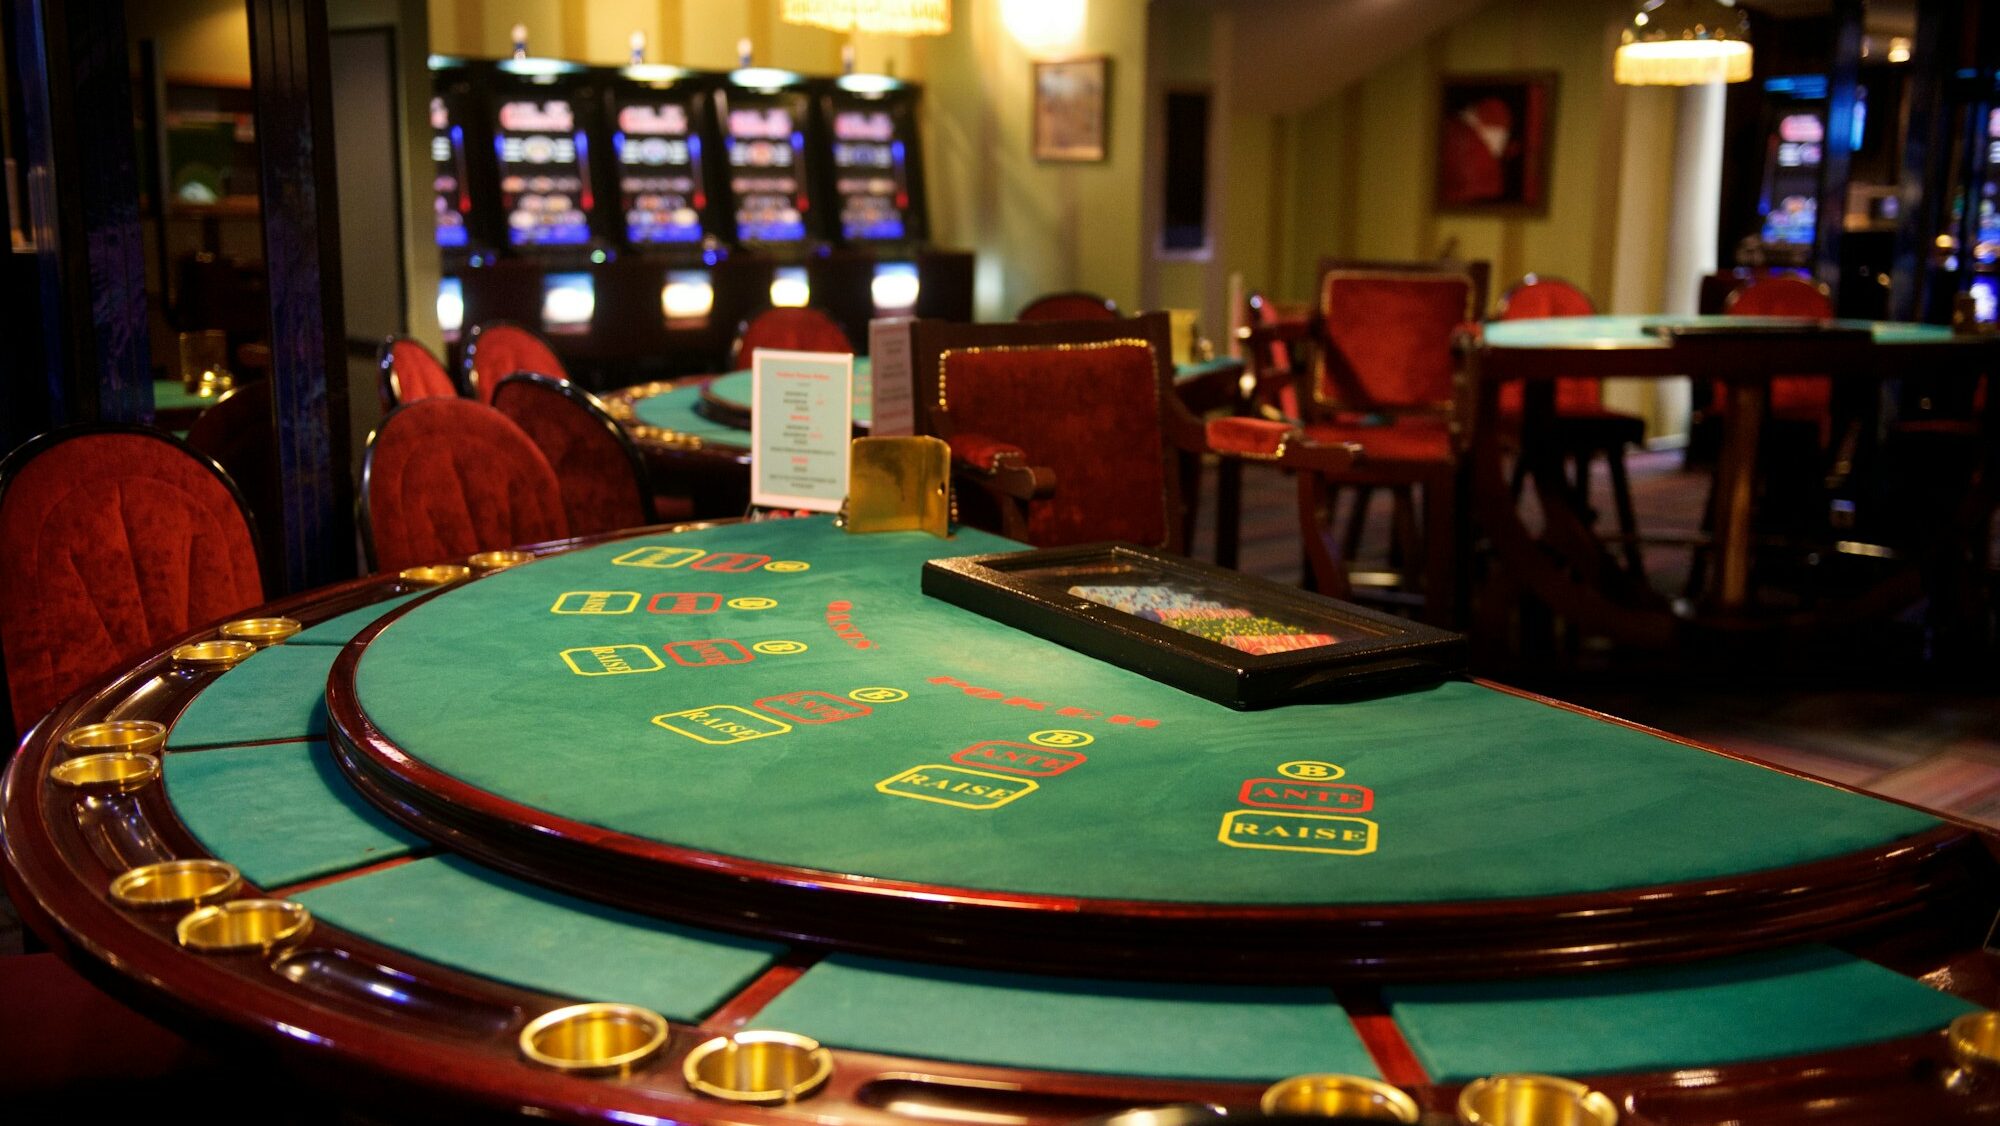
1557,332
1475,794
675,410
280,812
1065,1024
1764,1006
172,395
276,693
448,910
340,629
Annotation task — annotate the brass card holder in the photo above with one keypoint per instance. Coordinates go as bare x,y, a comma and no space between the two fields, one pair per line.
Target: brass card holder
1350,1098
176,883
499,560
600,1038
212,654
120,772
243,925
128,735
436,574
1975,1047
899,485
1534,1100
261,632
766,1068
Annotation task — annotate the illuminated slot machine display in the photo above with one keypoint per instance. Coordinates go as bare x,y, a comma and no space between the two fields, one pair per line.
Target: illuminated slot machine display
1794,152
764,117
459,198
545,187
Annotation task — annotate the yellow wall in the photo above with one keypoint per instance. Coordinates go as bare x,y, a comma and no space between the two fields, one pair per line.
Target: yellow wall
204,40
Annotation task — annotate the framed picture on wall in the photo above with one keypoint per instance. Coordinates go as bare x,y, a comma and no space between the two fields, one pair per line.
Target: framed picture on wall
1070,117
1495,133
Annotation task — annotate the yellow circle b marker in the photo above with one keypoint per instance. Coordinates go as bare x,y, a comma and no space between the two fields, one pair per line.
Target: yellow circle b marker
779,648
879,695
752,603
1060,738
787,566
1309,770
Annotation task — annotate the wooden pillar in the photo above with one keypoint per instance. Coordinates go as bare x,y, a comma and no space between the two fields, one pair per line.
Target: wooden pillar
288,67
90,355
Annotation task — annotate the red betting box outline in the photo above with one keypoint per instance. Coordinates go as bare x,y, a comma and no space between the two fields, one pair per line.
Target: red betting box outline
684,603
1058,761
1289,793
730,562
709,651
820,707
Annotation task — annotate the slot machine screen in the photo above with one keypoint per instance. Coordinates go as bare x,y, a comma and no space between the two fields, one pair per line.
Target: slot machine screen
659,172
1791,178
544,178
871,175
767,172
451,194
569,301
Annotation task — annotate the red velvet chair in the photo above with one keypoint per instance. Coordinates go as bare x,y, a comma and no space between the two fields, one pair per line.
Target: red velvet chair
788,329
1794,398
1071,430
1385,378
446,478
1584,428
117,538
409,372
1071,306
602,475
498,349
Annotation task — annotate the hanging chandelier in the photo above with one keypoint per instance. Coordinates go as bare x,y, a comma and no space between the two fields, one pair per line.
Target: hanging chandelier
884,17
1684,43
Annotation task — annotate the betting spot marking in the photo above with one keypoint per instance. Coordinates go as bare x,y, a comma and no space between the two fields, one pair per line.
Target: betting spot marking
1309,770
752,603
1298,832
596,602
676,603
1060,738
779,648
955,786
879,695
734,562
721,724
786,566
1018,758
813,707
1276,793
661,557
709,651
611,660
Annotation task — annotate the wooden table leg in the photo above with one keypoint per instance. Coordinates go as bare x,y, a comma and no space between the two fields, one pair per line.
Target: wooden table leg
1736,492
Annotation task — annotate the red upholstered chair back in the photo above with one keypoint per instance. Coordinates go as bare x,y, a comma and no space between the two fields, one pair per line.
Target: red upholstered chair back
1536,297
1087,407
498,349
794,330
116,540
1386,338
1794,396
1073,306
602,476
445,478
410,372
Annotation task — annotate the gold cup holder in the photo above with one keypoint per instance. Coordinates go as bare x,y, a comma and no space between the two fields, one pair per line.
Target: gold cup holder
600,1038
134,735
499,560
435,575
176,883
212,654
1348,1097
1975,1046
763,1067
261,632
118,771
243,924
1533,1100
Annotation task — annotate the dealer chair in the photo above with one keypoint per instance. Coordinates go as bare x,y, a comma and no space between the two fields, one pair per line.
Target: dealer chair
1067,433
410,372
497,349
1074,305
1583,428
1385,377
448,478
801,329
118,538
600,470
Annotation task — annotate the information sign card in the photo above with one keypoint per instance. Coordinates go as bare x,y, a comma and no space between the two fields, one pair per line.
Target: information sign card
801,412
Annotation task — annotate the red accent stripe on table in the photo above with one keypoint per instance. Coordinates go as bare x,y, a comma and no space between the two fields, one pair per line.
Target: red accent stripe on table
200,747
1392,1054
304,886
738,1011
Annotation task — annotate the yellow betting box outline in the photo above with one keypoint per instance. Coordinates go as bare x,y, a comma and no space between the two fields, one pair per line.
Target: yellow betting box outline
659,557
740,724
595,602
1016,786
1228,834
613,660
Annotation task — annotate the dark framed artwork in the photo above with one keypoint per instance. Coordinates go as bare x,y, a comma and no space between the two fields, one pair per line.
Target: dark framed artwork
1070,109
1495,133
1222,635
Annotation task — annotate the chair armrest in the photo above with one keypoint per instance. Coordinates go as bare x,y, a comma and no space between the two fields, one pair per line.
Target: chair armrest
1001,467
1282,443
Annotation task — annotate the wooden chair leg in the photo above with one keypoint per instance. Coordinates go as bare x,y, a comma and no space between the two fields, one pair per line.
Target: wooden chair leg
1442,546
1324,565
1228,511
1408,542
1628,523
1357,522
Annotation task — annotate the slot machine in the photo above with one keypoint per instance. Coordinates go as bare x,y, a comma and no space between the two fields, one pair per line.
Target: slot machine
461,199
764,115
1788,200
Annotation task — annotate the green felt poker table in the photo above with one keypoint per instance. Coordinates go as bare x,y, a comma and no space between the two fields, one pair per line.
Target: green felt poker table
748,777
